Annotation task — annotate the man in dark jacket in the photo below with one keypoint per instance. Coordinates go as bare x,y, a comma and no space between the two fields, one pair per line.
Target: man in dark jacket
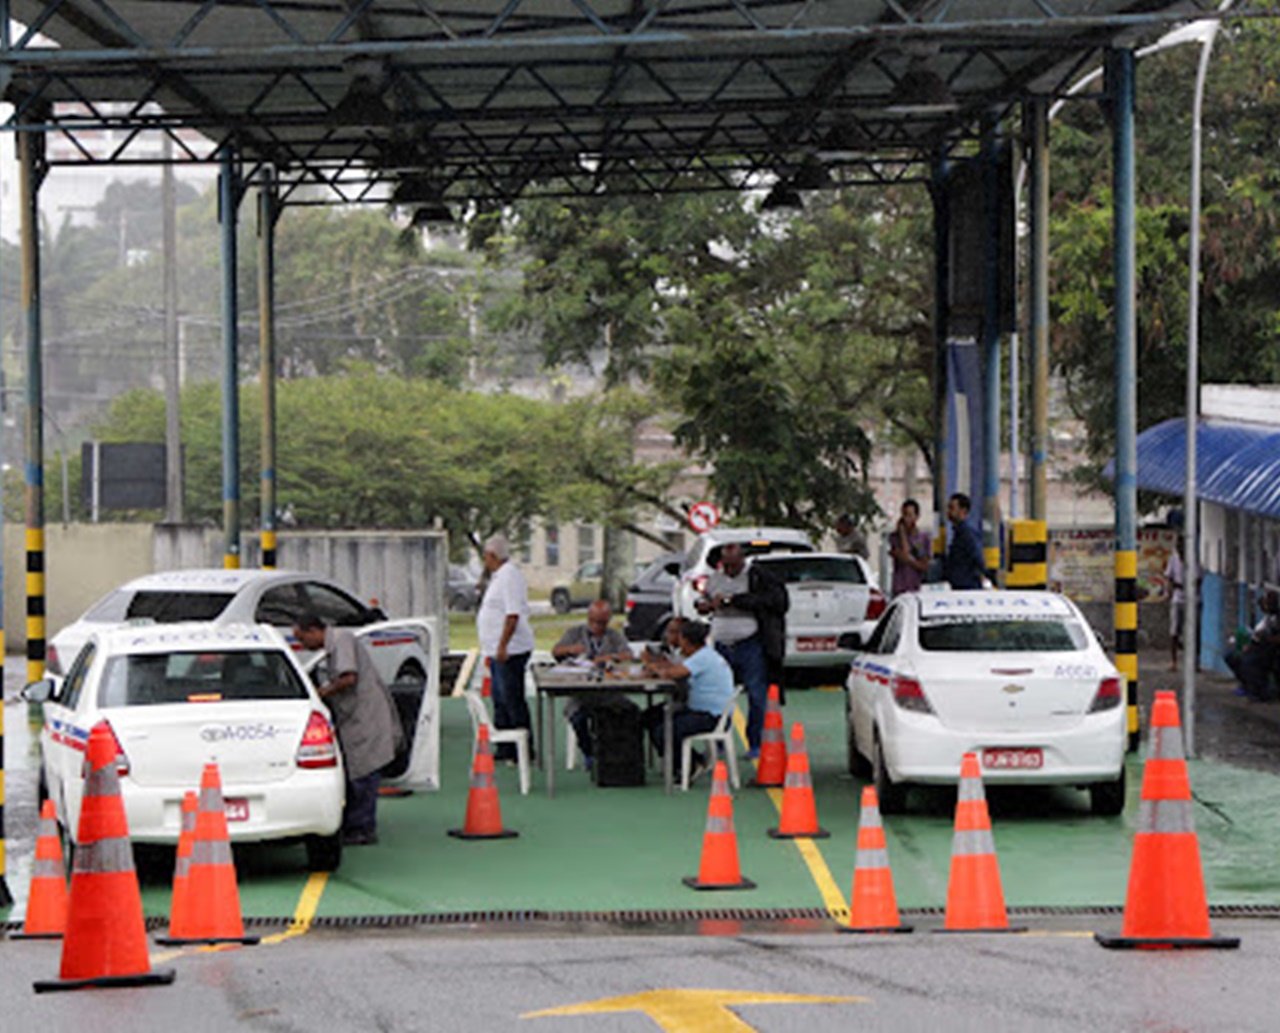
962,567
748,608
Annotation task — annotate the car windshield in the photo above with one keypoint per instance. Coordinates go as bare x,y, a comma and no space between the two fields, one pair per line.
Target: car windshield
798,569
1002,635
160,607
146,679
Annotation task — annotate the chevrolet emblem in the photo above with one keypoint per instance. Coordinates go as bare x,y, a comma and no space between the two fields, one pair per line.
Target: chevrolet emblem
1011,689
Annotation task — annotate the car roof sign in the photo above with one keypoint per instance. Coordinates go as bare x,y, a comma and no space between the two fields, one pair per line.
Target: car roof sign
943,605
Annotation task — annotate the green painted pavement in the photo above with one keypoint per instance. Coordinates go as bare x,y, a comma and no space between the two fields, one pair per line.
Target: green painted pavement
595,849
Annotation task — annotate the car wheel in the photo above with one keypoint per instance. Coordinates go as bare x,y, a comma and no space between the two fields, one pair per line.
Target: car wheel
324,853
560,601
858,766
893,795
1106,799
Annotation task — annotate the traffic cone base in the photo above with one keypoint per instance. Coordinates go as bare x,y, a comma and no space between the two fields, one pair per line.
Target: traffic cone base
157,977
1172,943
394,791
742,884
878,930
500,834
180,941
818,833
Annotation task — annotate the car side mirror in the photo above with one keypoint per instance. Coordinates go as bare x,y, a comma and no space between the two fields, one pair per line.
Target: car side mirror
39,691
850,640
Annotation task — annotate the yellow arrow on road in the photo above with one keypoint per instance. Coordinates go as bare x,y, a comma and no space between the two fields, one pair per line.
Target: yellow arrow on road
690,1011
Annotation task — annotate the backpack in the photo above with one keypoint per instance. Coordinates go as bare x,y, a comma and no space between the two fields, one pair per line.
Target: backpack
617,731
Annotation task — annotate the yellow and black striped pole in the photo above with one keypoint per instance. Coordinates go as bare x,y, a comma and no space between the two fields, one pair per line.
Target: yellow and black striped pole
1126,621
30,172
268,212
1028,554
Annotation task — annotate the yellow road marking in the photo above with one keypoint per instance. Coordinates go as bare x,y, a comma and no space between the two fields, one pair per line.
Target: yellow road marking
305,912
832,898
690,1011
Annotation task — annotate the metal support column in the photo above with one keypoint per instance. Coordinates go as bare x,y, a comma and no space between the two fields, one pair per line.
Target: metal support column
991,349
31,170
268,212
228,203
174,510
1120,91
1037,118
939,190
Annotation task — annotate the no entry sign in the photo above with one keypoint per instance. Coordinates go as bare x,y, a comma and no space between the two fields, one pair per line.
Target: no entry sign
703,516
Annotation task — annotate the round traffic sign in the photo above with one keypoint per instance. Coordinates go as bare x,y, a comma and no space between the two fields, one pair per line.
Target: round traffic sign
703,516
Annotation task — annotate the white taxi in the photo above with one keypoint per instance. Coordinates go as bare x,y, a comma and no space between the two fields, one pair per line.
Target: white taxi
176,696
406,651
1016,677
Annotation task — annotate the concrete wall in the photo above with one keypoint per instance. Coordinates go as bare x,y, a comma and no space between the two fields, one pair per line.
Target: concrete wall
405,572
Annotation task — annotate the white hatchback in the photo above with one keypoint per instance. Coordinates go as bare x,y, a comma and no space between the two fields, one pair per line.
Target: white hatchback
179,695
1016,677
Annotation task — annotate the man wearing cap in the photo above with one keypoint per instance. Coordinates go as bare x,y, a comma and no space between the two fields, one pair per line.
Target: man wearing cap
506,638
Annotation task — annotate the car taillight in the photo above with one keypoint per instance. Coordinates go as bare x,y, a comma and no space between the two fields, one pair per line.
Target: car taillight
876,603
630,605
909,695
318,749
1109,695
122,761
699,583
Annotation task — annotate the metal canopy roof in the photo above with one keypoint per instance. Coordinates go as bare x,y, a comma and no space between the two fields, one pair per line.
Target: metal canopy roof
456,99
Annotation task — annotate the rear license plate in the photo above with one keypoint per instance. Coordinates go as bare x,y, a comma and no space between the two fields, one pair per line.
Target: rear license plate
1022,758
815,643
237,808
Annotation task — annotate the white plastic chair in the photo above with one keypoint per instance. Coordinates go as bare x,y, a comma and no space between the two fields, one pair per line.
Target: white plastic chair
719,738
518,736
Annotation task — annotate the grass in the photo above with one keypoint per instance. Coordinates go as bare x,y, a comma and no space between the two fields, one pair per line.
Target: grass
547,628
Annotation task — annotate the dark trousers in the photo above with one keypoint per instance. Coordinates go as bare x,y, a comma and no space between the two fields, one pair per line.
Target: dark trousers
751,671
510,708
1253,666
360,814
684,723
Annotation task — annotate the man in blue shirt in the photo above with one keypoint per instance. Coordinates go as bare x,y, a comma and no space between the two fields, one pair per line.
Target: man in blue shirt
962,567
710,690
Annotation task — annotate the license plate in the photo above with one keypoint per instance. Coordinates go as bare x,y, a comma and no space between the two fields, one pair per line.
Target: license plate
815,643
1022,758
237,808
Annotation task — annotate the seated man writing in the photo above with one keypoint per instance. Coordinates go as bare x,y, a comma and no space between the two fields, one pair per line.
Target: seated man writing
1260,657
710,690
599,643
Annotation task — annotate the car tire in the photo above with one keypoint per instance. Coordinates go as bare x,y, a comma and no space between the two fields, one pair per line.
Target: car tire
560,601
324,853
858,766
1106,799
892,795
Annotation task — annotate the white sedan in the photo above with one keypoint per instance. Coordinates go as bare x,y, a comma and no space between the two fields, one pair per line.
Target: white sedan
406,651
1016,677
176,696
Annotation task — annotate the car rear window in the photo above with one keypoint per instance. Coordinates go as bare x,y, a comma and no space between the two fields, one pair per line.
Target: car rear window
147,679
1002,636
798,569
757,547
160,607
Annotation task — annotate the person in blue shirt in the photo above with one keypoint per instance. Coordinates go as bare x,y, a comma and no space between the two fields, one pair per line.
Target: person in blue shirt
710,689
962,567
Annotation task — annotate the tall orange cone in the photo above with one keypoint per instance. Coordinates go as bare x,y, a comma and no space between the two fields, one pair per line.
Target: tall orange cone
47,899
484,813
1166,907
975,898
182,860
771,768
719,869
873,905
106,941
210,911
799,810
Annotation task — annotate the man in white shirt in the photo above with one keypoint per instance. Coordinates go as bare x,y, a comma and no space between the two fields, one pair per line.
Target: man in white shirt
506,639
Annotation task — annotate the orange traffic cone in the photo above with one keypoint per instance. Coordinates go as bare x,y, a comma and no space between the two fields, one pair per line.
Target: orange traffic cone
975,899
47,899
799,811
486,683
1166,906
718,869
106,942
182,861
771,768
873,905
210,912
484,813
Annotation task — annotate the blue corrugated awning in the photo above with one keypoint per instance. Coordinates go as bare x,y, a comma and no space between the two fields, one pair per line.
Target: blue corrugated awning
1237,464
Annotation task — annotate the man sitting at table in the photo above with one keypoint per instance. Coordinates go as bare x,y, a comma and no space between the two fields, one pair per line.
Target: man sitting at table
599,643
710,690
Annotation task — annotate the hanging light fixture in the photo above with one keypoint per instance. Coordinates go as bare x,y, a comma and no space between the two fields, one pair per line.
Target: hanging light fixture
921,91
812,175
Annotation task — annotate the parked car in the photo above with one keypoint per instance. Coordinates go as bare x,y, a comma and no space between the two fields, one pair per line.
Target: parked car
704,557
175,696
831,594
1015,677
648,603
583,589
406,651
462,591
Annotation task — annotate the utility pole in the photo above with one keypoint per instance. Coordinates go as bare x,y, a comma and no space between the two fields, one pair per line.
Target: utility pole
172,367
